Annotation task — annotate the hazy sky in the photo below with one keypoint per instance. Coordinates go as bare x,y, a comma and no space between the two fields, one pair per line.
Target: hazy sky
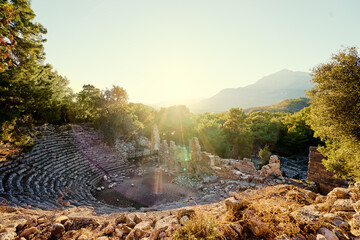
164,50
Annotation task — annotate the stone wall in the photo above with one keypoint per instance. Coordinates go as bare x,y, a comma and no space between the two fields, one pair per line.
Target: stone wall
317,173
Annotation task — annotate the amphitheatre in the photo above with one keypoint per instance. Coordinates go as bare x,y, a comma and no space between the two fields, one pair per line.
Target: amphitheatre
73,185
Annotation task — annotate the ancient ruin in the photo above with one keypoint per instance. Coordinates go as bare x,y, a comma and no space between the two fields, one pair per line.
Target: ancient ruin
72,166
317,173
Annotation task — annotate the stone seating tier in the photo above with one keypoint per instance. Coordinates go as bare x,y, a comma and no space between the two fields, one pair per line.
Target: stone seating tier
72,156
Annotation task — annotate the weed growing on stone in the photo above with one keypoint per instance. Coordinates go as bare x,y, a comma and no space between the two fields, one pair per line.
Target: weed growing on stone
200,226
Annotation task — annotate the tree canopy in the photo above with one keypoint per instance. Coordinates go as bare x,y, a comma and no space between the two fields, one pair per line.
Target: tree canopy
335,112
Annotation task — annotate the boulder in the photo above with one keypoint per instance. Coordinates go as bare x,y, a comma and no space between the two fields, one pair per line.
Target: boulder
57,230
235,205
329,235
29,231
245,166
338,193
271,169
343,205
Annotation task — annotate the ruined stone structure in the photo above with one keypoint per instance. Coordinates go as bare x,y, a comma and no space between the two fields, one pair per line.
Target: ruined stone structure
172,149
164,152
155,139
317,173
273,168
195,150
73,157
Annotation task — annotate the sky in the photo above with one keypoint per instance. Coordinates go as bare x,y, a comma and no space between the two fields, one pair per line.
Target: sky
161,50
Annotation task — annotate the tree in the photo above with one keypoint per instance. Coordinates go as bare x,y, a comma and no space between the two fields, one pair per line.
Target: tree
265,129
20,38
297,135
175,124
238,133
89,102
209,129
335,112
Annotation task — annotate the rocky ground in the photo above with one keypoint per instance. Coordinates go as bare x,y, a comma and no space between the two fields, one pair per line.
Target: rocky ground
274,212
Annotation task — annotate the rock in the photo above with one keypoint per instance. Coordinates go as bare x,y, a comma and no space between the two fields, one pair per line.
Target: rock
83,237
7,235
341,224
283,237
228,232
343,205
130,223
57,230
155,139
320,199
68,224
123,228
356,206
345,215
185,212
122,218
338,193
102,238
330,216
29,231
245,166
355,224
144,226
136,219
320,237
164,223
108,229
235,205
136,234
164,152
41,220
271,169
62,219
154,235
237,227
329,235
195,150
306,215
184,219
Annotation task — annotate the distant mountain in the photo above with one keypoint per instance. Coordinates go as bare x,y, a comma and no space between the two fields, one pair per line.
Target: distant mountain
268,90
287,106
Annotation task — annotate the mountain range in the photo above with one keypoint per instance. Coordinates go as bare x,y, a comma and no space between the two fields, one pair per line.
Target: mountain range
268,90
271,89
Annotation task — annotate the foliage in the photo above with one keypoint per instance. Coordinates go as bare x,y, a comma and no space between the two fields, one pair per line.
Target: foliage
297,135
112,113
89,101
238,133
20,38
265,129
145,115
335,112
175,124
209,129
19,136
264,154
199,226
286,106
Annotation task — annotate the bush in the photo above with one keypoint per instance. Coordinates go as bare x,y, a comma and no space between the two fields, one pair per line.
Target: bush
200,226
264,154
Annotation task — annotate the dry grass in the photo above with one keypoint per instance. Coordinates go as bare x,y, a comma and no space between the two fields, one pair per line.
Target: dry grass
200,226
269,212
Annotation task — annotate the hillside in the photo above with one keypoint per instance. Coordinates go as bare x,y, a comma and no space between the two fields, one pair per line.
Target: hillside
286,106
271,89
